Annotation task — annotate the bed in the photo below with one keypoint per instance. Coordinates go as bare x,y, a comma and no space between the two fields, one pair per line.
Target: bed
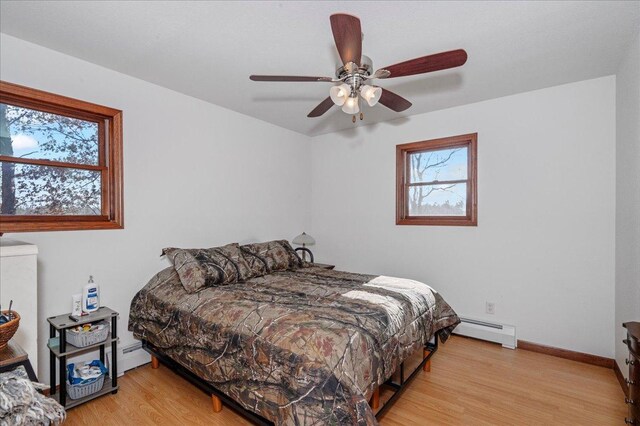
306,345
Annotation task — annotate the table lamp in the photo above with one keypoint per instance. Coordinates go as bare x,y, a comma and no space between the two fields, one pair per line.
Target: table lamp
304,240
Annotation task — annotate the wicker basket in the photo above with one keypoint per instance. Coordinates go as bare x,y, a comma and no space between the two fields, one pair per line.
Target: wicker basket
80,391
8,329
80,339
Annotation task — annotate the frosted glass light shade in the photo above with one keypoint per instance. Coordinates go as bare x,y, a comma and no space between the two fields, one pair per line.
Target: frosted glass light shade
304,240
351,106
339,94
371,94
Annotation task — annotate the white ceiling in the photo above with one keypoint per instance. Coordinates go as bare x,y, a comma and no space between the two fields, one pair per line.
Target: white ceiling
209,49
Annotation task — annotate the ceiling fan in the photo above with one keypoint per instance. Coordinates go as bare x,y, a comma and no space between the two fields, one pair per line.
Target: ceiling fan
356,72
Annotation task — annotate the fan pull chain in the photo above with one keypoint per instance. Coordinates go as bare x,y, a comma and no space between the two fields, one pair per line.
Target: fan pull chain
353,119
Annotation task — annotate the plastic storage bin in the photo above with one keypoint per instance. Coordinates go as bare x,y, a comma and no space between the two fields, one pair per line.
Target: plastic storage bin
80,391
81,339
78,388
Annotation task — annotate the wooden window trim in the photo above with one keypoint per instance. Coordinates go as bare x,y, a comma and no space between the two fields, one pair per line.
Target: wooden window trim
110,161
402,158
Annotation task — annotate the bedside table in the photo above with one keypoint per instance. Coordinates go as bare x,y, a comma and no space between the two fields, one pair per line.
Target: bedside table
323,265
60,349
13,356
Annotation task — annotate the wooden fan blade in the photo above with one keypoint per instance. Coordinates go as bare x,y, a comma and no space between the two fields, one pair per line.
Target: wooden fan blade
323,107
287,78
429,63
394,102
348,37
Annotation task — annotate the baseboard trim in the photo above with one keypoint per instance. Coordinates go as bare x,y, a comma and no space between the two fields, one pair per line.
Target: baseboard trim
623,384
567,354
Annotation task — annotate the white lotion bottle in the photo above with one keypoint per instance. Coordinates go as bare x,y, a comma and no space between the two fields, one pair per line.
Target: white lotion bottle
91,296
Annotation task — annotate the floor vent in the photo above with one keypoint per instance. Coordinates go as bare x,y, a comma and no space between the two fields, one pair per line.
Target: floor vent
491,332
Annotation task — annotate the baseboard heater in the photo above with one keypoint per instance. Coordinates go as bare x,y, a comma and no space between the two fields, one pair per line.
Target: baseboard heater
491,332
134,356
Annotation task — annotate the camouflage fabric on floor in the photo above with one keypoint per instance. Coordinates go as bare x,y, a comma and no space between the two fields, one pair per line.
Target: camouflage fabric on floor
21,404
305,346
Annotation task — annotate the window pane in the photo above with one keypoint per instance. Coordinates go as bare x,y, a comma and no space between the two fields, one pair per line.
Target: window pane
46,136
44,190
442,165
438,200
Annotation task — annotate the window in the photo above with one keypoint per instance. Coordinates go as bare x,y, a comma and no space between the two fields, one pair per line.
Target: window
436,182
60,162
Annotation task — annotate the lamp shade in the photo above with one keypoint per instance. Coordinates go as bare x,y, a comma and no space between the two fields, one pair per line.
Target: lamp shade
304,240
371,94
339,94
351,105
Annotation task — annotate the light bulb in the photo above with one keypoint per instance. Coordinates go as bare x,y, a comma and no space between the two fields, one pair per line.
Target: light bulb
371,94
339,94
351,106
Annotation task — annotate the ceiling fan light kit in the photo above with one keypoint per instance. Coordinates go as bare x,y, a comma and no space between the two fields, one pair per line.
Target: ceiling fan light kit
339,94
351,105
354,75
371,94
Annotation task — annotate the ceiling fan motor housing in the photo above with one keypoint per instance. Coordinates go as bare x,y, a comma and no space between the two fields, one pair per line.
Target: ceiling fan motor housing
355,75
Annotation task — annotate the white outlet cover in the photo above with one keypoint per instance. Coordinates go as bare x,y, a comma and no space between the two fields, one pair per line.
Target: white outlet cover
490,308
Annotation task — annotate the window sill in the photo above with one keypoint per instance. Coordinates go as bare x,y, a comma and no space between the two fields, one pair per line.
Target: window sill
438,221
7,225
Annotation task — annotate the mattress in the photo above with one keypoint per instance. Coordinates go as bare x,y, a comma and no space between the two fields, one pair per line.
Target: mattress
306,346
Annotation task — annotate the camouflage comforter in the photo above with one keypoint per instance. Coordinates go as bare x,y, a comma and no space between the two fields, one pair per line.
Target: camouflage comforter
305,346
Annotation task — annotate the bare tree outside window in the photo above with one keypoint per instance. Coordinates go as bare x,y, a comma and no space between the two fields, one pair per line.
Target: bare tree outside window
29,189
428,197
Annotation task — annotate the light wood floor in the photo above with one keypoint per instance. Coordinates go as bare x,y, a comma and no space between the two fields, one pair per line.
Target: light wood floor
470,383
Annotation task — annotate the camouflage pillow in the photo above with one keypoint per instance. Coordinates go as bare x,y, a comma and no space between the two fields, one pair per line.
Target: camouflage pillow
257,265
273,255
200,268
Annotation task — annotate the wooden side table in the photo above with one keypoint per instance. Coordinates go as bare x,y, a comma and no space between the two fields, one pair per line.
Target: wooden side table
14,356
59,349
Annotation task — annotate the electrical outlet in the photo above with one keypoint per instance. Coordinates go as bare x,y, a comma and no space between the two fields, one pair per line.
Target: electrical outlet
490,308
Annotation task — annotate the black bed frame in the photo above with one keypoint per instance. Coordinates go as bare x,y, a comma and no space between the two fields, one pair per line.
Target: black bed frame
398,387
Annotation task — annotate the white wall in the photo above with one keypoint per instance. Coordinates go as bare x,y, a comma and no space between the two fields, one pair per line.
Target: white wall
543,249
195,175
627,196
